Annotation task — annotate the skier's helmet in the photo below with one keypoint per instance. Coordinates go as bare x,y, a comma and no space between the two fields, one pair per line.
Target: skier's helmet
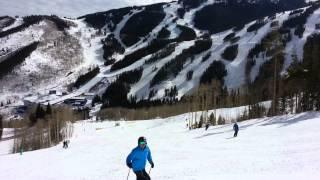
142,140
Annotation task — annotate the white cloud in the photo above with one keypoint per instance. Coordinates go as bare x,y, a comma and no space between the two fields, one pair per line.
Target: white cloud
70,8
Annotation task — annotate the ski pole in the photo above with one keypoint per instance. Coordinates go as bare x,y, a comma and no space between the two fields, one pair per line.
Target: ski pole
149,170
128,174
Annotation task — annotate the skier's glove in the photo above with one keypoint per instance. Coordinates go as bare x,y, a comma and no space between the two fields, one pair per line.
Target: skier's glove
152,165
129,165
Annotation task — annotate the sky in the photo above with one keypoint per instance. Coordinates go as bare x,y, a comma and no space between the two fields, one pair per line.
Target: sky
68,8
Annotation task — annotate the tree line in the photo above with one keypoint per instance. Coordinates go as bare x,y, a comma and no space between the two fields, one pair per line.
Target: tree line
43,127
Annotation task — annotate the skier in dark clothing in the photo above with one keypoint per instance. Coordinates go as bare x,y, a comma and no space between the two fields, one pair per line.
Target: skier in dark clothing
236,129
138,157
66,144
207,126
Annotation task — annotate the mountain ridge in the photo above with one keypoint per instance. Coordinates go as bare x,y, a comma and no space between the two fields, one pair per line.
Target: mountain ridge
169,51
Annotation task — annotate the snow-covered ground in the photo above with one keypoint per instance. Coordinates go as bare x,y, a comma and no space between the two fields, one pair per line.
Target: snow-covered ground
284,147
7,132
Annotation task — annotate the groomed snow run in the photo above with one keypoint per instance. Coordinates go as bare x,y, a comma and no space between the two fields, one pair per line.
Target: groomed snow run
279,148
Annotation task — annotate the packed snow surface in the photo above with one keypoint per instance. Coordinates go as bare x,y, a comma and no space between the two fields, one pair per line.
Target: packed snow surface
284,147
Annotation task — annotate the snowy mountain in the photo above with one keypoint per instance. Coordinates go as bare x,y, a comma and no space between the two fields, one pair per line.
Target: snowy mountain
282,147
143,52
182,65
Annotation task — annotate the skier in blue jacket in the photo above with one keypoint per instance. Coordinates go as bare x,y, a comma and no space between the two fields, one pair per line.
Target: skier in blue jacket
138,157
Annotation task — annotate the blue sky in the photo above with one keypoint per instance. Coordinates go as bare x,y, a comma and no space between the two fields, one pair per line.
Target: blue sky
69,8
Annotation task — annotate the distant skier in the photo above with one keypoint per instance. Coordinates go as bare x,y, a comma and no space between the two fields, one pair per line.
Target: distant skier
66,144
236,129
187,124
138,157
207,126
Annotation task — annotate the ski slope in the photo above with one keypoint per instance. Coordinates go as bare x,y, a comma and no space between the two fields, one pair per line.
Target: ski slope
284,147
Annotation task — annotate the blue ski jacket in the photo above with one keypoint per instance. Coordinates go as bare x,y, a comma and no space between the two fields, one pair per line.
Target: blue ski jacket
138,158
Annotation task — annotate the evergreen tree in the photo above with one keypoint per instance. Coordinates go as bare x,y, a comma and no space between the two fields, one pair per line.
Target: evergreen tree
221,121
32,119
1,126
48,111
212,119
189,75
96,99
200,122
40,113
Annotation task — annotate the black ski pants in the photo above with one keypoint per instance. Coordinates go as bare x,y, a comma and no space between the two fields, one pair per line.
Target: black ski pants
235,133
142,175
